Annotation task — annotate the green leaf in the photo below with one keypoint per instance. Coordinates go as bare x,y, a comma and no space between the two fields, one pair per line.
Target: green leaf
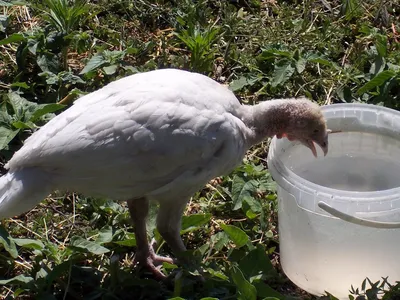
242,190
245,289
88,246
26,111
105,235
32,45
69,77
29,243
237,235
350,8
193,222
7,241
282,73
64,76
58,271
44,109
65,17
126,243
23,85
381,44
300,64
257,262
18,292
218,274
20,279
132,50
113,57
94,63
264,290
5,3
22,125
219,240
250,214
48,62
5,118
6,136
169,266
272,53
393,67
15,37
254,204
267,184
110,70
242,82
23,108
51,78
378,80
378,65
4,22
320,59
364,284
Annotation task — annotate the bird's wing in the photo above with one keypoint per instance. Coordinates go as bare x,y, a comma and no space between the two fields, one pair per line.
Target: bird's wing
139,138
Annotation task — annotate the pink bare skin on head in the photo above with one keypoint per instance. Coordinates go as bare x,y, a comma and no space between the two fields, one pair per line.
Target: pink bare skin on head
296,119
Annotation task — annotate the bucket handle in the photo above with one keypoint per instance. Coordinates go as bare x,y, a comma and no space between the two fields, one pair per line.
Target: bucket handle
355,220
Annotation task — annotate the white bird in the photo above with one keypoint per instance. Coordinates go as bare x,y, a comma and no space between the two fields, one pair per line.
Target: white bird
159,135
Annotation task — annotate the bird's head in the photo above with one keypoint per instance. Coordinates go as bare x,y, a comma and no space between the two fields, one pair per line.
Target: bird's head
306,124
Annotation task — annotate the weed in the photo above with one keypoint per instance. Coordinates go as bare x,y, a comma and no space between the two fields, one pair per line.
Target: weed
52,51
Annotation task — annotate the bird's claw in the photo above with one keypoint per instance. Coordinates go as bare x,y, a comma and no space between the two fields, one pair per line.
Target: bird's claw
152,262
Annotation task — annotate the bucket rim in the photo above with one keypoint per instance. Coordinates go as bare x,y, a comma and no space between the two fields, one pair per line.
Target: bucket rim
326,108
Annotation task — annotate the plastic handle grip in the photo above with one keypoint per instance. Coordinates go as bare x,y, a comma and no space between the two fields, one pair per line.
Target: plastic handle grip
355,220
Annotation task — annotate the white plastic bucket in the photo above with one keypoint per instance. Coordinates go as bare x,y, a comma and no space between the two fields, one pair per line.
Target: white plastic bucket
339,215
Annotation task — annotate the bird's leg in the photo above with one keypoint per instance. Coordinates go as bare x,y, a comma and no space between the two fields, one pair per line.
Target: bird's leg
169,226
145,255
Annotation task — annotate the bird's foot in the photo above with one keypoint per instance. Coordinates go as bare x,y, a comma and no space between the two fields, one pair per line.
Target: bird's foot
151,261
158,259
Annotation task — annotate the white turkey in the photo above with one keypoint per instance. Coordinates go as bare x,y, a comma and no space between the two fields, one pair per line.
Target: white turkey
159,135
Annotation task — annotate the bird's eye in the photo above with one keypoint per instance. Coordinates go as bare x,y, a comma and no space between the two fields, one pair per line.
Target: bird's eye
316,131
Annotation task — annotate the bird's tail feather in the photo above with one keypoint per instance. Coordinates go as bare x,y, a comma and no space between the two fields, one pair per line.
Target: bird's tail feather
21,190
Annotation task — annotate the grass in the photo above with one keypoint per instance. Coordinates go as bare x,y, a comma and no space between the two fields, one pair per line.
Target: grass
73,247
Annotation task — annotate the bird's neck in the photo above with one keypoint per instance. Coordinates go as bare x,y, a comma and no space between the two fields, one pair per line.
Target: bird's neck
267,118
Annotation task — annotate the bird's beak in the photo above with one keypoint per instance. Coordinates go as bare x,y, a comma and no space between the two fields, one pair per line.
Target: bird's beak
310,144
323,143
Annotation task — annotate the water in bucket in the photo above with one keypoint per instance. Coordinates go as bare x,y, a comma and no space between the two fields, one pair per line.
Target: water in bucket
356,170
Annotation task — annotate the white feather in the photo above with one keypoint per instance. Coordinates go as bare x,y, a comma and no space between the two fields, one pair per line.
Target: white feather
21,190
160,134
